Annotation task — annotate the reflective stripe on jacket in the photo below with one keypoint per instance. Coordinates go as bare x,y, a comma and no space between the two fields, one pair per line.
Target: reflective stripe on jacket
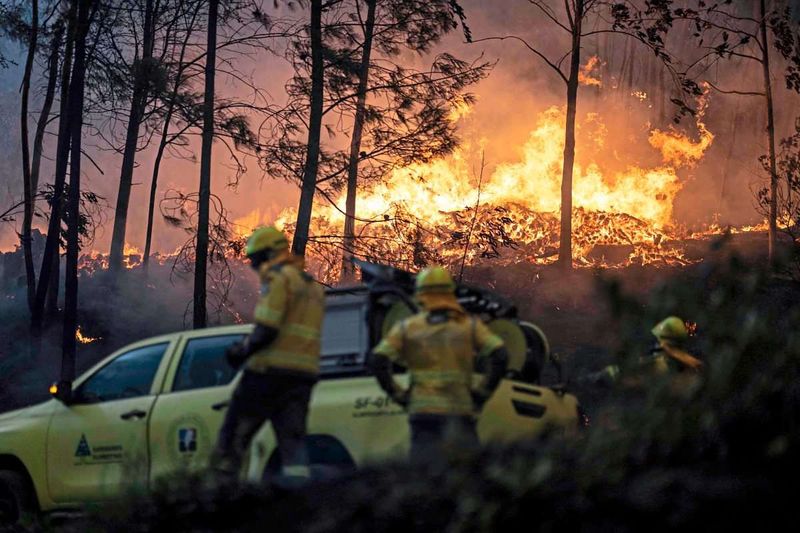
294,304
440,356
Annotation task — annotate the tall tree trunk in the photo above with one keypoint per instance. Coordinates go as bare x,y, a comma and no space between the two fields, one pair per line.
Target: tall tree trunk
53,243
151,205
47,106
201,253
162,146
773,171
138,102
309,183
565,245
51,302
28,191
51,305
348,271
630,76
75,125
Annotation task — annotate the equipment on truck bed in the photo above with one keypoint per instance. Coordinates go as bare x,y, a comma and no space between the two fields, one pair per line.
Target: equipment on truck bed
391,299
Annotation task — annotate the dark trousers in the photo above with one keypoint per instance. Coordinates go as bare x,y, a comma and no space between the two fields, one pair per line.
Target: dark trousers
282,399
441,436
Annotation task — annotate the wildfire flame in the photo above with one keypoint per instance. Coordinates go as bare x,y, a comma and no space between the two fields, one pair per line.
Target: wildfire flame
444,212
586,74
424,213
84,339
132,257
674,146
459,111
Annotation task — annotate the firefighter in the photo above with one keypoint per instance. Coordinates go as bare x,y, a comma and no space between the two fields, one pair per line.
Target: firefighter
280,358
669,355
439,346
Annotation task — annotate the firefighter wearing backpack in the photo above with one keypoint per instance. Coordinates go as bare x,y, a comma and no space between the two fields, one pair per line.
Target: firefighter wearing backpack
280,357
439,346
669,356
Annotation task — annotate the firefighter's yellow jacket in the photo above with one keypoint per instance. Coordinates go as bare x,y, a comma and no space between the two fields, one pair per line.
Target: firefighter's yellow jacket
439,351
294,304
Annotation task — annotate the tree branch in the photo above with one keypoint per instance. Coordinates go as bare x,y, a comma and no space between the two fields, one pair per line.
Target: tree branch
529,47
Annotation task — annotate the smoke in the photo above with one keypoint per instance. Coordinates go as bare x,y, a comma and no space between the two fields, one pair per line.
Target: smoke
143,304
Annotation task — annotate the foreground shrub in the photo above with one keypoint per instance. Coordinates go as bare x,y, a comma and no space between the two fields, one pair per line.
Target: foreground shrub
721,453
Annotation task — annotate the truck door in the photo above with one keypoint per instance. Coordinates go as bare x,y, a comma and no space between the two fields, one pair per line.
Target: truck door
187,416
347,403
97,445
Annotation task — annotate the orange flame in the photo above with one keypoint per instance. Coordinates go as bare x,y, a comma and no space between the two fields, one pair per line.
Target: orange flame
631,207
676,148
84,339
586,74
131,256
460,110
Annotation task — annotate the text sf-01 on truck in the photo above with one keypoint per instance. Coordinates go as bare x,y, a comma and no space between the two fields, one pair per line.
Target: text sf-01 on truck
154,408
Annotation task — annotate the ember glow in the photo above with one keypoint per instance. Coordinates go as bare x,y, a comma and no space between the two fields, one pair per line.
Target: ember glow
84,339
586,74
131,256
93,261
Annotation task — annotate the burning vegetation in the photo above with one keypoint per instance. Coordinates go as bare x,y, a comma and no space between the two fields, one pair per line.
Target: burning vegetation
443,212
446,211
84,339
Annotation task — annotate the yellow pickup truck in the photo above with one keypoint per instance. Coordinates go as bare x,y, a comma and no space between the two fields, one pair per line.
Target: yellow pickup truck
153,409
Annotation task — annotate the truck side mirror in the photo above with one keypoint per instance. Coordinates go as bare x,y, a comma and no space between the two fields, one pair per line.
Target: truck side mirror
62,391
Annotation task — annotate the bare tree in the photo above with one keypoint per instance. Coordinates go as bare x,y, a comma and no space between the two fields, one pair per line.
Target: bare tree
141,80
742,33
13,21
26,163
173,100
201,255
582,19
86,10
48,275
788,197
355,140
309,183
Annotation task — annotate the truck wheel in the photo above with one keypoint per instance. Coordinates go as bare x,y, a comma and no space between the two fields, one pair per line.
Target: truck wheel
16,499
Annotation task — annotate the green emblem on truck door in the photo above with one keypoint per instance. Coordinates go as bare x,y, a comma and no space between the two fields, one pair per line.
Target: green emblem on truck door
83,448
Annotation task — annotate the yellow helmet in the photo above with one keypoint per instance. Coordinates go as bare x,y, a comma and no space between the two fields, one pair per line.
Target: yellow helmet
266,238
434,279
671,329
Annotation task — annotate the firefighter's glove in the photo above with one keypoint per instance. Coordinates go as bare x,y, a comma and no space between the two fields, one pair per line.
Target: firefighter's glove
402,398
479,399
236,355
